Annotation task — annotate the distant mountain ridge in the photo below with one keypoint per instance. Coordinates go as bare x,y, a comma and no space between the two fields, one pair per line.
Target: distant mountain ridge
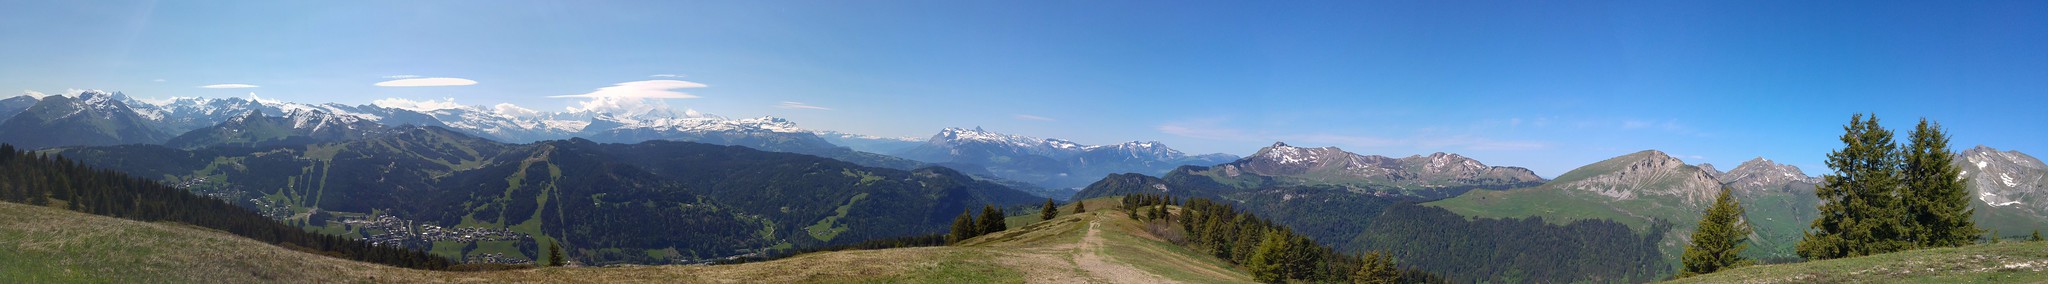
1438,174
88,118
295,127
1052,163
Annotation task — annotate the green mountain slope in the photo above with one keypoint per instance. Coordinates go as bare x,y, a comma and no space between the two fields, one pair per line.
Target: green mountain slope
648,203
43,245
1431,239
2009,262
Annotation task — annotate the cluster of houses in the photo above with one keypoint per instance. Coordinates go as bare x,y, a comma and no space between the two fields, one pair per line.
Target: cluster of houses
396,231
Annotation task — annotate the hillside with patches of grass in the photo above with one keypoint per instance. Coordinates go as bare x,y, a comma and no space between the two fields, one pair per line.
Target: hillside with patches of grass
44,245
2009,262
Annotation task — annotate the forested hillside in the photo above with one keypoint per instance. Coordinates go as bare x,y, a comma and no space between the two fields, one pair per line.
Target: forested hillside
1424,238
58,182
653,202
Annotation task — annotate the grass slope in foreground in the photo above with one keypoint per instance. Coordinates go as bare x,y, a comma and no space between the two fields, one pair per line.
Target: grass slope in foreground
2008,262
47,245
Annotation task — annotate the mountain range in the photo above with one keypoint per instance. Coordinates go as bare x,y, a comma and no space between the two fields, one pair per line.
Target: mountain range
649,202
1048,167
1051,163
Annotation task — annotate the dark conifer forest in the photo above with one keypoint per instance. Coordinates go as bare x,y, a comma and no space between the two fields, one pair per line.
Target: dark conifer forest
30,178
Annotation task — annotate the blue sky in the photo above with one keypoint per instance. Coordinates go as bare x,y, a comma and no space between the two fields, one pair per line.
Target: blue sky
1548,85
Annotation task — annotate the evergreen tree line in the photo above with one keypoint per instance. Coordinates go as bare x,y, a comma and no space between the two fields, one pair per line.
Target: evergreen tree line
36,179
1882,198
1517,250
1272,253
967,226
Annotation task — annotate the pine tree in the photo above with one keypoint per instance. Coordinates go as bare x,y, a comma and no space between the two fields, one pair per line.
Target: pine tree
1859,212
2037,236
1719,240
1936,198
1268,261
1376,268
1049,211
1080,207
963,227
991,220
555,254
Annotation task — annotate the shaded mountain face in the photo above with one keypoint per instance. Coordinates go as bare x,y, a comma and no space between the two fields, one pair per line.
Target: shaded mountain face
1051,163
617,202
12,106
89,118
1437,175
1713,172
295,127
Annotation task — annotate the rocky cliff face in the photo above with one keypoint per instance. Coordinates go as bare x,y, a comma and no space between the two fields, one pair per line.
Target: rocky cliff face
1764,175
1330,165
2006,180
1646,174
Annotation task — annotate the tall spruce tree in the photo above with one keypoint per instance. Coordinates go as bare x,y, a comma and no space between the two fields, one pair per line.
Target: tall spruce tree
1080,207
1859,211
1936,198
555,254
1376,268
991,220
1049,211
963,227
1268,261
1720,239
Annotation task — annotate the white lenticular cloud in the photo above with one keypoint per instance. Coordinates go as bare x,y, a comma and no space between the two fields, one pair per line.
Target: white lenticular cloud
627,107
1034,118
649,89
427,82
798,105
412,105
514,110
228,86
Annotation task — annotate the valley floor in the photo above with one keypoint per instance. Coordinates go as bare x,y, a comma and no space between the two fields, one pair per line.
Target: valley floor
45,245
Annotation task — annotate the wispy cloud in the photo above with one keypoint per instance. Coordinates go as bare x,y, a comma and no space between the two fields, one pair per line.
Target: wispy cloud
34,93
799,105
401,76
427,82
666,75
157,80
228,86
1033,118
422,105
649,89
